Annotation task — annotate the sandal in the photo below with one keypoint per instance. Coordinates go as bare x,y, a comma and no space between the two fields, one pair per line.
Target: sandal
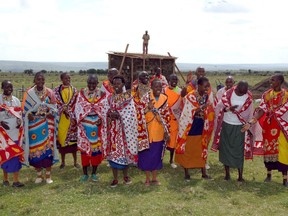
147,183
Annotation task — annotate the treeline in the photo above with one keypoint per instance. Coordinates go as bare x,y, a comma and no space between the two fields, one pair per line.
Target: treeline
81,72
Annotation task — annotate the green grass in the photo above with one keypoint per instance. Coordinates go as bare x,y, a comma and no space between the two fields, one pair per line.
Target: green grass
67,196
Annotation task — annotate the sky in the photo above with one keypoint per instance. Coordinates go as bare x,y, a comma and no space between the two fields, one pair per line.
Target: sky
195,31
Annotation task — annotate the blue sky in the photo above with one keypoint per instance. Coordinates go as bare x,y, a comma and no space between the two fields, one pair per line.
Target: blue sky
196,31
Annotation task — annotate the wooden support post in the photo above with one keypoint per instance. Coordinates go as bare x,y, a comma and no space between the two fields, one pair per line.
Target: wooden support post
132,72
178,69
109,61
123,58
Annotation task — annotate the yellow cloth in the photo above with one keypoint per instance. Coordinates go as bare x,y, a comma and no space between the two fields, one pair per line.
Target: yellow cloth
64,123
283,149
155,128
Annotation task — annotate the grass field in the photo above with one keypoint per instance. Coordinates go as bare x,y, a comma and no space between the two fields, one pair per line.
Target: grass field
21,80
67,196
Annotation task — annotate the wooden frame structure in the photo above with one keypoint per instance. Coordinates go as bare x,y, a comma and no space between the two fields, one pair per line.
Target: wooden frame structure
135,62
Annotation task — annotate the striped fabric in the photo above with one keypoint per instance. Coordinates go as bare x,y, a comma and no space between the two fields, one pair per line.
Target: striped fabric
40,134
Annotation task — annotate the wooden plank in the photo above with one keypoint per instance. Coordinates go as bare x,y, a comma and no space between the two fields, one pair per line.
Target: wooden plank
132,72
123,58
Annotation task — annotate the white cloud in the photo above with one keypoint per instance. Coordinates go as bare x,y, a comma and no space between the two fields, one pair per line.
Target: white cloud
206,31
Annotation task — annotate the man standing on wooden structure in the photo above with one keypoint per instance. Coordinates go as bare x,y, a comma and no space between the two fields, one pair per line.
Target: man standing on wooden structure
146,39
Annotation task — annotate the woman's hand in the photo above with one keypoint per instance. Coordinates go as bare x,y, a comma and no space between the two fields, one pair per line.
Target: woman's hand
66,114
232,108
183,92
166,137
19,122
5,125
114,115
49,115
245,127
98,122
151,104
31,117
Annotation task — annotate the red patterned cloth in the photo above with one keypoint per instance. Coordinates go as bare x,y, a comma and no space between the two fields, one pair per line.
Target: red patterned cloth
83,108
121,146
141,99
107,88
186,120
162,79
275,107
8,148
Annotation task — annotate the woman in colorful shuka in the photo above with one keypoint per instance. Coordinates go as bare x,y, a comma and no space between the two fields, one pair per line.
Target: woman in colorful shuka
158,75
66,96
40,121
107,86
157,120
229,82
175,106
11,131
273,109
121,148
141,92
195,129
233,111
90,111
192,79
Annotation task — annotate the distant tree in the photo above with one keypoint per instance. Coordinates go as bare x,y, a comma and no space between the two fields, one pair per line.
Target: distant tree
43,71
91,71
28,71
101,71
82,72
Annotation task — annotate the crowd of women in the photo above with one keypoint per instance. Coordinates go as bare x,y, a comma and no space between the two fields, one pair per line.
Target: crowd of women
134,127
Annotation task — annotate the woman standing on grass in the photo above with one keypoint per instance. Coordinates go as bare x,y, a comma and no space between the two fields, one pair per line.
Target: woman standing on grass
195,129
121,148
11,131
66,96
140,92
274,109
90,111
229,82
40,120
175,106
157,120
233,111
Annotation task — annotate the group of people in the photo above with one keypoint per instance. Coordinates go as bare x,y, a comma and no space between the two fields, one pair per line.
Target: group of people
135,127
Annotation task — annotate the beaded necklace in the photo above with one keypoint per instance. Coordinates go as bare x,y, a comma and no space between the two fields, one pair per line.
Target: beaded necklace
91,95
201,99
7,99
273,97
41,94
